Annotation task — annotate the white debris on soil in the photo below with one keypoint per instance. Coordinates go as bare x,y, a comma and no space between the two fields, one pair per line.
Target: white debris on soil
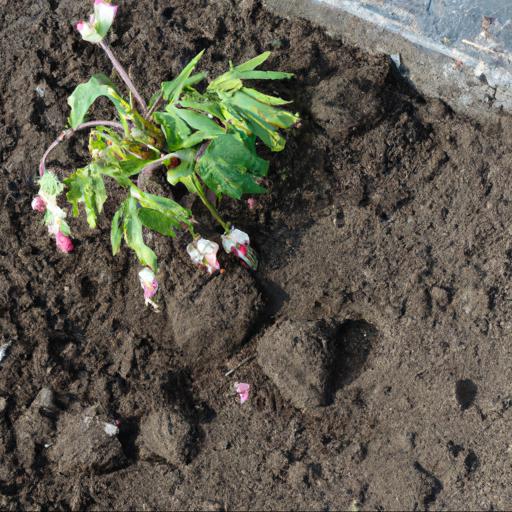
3,350
110,429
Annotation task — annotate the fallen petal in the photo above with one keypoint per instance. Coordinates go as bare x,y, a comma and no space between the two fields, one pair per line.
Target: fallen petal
242,388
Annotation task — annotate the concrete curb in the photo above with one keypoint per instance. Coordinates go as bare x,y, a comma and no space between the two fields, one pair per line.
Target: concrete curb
473,74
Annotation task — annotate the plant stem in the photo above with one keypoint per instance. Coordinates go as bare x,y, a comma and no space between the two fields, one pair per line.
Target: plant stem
155,105
67,134
153,165
124,75
211,208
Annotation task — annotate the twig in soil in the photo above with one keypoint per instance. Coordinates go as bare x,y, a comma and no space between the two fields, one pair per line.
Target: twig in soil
239,365
480,47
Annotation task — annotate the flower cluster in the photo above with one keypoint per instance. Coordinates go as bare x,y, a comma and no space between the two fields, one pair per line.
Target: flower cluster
203,253
54,216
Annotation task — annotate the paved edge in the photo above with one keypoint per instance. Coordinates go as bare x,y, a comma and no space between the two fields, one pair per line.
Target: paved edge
476,87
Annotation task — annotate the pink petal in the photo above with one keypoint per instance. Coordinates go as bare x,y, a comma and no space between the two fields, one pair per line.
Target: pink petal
39,204
150,289
79,26
242,388
213,264
251,203
64,243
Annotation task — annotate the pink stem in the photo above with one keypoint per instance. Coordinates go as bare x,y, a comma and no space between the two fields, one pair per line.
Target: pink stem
126,79
67,134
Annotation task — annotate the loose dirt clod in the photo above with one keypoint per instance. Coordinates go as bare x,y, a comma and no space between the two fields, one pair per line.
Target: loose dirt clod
167,435
228,303
33,428
298,358
82,444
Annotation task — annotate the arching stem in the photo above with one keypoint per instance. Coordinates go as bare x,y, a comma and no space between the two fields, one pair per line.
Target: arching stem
67,134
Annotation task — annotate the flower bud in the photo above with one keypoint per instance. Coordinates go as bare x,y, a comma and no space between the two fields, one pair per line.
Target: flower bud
149,283
203,252
237,243
38,204
99,23
64,243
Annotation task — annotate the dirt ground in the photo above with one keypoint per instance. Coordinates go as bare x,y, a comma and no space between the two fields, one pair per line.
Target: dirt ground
379,319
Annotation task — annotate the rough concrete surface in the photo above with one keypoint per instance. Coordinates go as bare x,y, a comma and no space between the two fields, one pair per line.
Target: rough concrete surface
456,50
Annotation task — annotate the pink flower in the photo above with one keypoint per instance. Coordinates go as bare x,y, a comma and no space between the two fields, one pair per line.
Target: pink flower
64,243
99,23
203,252
39,204
149,285
243,391
251,203
237,243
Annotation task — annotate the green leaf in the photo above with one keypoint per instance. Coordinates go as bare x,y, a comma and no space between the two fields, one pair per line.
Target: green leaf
231,167
264,98
86,94
276,117
232,80
86,186
253,63
176,213
50,184
157,221
199,122
261,119
132,166
174,128
172,90
203,103
132,228
116,231
184,172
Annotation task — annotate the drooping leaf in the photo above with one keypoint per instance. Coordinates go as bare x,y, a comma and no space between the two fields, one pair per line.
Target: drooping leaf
132,228
229,167
116,231
86,186
258,118
264,98
157,221
173,89
176,213
86,94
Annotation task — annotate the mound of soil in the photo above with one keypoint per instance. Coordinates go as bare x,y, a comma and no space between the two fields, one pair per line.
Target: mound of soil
388,215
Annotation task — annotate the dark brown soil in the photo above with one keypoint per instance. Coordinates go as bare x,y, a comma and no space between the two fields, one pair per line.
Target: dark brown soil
389,218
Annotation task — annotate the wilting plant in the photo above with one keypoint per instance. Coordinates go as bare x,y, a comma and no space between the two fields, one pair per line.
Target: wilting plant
204,138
